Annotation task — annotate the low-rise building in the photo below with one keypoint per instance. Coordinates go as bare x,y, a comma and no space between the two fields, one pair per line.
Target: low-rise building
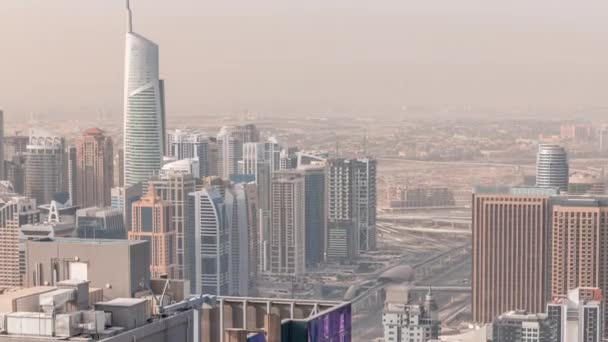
100,223
120,267
405,321
517,326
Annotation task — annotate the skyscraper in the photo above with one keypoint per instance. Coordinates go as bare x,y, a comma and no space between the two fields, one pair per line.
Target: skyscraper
14,172
253,213
288,158
579,252
237,221
15,211
510,250
187,143
253,154
272,153
212,254
364,184
14,148
144,108
44,166
230,142
552,167
15,145
173,186
288,225
342,237
151,221
314,179
351,203
94,169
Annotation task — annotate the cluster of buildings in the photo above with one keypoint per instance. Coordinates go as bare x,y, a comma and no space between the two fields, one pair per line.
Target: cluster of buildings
115,257
540,258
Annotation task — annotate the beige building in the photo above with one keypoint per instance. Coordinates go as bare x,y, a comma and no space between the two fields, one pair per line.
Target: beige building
579,248
117,266
510,250
152,221
288,229
15,211
173,187
94,169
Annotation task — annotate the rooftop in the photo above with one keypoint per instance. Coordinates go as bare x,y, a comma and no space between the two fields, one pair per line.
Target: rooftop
93,241
515,191
127,302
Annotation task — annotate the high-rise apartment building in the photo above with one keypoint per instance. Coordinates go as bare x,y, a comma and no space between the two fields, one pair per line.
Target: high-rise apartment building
342,237
272,153
288,158
405,321
44,166
15,145
315,220
253,218
94,169
230,142
552,167
351,207
173,187
579,252
365,200
15,212
152,221
186,143
237,222
256,153
212,254
14,172
288,223
579,316
510,250
253,154
14,148
144,108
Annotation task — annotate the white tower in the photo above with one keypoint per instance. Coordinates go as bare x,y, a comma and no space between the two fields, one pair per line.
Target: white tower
144,108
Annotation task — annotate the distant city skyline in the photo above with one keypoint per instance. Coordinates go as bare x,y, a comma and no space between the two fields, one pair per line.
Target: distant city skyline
307,57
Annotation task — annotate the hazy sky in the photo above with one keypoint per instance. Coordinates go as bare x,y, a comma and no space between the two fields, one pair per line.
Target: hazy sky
66,56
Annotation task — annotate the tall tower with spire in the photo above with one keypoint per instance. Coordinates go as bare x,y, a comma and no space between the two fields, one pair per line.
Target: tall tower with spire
144,107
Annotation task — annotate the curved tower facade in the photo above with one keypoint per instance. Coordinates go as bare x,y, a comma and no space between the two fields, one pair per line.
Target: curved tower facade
552,167
144,108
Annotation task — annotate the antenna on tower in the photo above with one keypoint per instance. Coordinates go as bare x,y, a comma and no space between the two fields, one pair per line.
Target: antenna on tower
129,17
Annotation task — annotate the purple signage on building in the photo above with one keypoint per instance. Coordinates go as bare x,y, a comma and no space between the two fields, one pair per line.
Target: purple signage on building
335,326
